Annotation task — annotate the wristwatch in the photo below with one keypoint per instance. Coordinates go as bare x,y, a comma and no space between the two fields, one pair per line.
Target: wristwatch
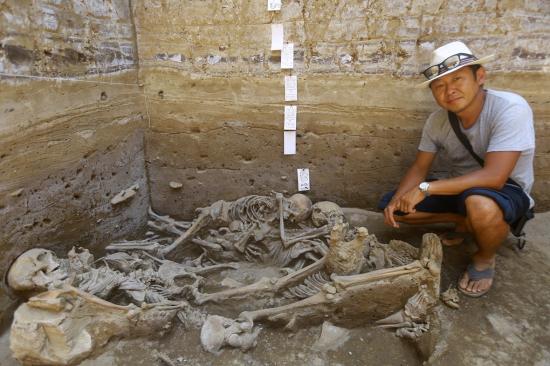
424,187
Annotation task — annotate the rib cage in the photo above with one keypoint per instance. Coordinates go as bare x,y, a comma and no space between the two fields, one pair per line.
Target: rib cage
310,287
252,209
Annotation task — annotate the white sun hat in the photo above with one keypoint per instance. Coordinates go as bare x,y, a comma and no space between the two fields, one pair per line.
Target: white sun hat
448,58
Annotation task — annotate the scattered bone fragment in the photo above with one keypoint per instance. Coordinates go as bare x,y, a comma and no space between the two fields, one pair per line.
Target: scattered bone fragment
175,185
219,331
332,338
451,298
125,195
17,192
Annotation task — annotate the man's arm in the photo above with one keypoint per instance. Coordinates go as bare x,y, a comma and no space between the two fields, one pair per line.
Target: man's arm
498,167
416,174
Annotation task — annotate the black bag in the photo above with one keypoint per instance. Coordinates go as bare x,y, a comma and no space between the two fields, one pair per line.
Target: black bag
516,228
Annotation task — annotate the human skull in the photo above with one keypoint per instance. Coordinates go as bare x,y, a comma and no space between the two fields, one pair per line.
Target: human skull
326,212
35,269
297,208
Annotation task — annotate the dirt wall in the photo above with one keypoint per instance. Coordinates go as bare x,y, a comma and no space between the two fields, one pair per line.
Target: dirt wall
71,127
216,91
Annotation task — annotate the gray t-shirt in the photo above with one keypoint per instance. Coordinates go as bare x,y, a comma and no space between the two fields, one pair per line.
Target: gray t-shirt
505,124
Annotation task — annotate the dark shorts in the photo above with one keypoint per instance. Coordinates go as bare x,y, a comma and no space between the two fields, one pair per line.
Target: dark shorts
511,199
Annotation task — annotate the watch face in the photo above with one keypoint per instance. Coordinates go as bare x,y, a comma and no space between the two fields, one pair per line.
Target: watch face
424,186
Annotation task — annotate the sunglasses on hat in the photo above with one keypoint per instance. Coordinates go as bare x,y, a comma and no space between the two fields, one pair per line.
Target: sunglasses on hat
449,63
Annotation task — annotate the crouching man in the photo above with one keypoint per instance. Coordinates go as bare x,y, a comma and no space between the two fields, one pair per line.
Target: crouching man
488,186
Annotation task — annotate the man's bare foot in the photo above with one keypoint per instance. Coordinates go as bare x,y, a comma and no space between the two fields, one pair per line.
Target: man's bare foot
478,278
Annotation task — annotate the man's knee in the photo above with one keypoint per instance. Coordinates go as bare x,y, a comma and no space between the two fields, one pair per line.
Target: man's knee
483,210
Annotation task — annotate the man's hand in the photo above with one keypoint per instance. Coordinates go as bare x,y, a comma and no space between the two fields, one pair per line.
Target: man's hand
388,214
410,199
405,204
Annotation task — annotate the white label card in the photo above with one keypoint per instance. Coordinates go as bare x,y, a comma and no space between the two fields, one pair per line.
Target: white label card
276,37
273,5
303,179
287,56
290,117
290,142
291,88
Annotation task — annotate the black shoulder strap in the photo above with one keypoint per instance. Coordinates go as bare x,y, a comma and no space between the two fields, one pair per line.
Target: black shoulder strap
453,119
462,137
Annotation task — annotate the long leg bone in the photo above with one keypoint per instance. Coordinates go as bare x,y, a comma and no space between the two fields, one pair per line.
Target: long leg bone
343,282
166,223
145,245
287,312
202,221
309,234
263,286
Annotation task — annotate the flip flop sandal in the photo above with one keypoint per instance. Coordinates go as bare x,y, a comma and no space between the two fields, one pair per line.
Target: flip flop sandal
475,275
452,238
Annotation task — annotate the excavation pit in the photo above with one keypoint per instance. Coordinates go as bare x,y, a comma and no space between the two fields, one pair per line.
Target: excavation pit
328,272
110,108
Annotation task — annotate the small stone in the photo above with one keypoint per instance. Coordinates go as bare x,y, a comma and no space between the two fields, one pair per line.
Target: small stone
17,193
125,195
331,338
284,177
329,296
213,59
175,185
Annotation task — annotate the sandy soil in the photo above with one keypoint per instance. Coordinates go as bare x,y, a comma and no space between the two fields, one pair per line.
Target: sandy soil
508,326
